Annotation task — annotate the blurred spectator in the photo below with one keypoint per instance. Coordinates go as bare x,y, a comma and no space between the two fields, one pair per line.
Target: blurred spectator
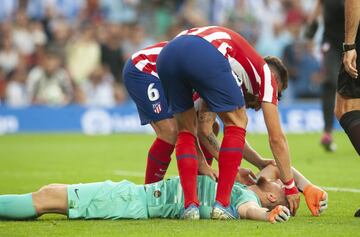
48,83
99,90
194,13
9,56
304,70
120,11
22,35
2,86
16,91
111,51
60,36
273,35
91,12
83,54
243,21
136,40
68,9
7,9
85,33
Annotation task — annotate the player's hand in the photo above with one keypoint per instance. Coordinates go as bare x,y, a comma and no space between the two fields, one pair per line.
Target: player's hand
292,195
316,199
245,176
266,162
279,214
349,61
205,169
294,202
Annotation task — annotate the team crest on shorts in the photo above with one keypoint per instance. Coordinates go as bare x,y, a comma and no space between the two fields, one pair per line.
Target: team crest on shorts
157,107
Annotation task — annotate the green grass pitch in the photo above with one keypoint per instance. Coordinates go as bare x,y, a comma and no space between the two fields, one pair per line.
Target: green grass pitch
29,161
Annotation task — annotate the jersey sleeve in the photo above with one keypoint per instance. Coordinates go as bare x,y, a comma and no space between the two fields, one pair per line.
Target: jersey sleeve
268,88
241,194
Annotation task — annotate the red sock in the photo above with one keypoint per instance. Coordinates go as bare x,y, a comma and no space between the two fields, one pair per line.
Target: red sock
209,158
229,160
187,165
158,160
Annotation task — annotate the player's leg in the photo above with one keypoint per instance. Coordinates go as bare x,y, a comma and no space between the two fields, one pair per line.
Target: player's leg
347,111
347,108
332,65
48,199
213,79
186,155
159,155
231,149
179,96
147,92
51,198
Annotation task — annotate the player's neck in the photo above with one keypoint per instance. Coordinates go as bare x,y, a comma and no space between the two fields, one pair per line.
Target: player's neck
260,193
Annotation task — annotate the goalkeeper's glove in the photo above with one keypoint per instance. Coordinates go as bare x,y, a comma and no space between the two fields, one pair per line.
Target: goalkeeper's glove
316,199
279,214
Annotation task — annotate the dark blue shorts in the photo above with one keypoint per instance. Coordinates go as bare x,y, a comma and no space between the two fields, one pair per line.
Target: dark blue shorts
147,92
190,62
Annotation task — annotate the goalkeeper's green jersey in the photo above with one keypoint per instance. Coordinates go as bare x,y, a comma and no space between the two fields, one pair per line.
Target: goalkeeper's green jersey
126,200
165,199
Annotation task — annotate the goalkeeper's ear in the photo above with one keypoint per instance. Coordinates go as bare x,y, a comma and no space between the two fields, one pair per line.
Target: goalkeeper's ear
271,197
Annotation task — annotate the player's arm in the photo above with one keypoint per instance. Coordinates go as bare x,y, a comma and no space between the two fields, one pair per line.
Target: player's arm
203,167
209,140
280,151
312,23
253,211
352,18
316,198
255,158
206,135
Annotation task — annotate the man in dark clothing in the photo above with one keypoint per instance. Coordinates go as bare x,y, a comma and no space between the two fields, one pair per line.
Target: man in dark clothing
332,12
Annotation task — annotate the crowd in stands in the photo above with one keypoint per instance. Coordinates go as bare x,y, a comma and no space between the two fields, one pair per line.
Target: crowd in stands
58,52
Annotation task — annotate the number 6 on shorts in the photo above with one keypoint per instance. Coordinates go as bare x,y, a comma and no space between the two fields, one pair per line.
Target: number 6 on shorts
153,93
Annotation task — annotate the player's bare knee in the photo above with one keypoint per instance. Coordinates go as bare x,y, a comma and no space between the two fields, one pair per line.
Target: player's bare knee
235,118
339,112
44,192
46,196
168,134
39,199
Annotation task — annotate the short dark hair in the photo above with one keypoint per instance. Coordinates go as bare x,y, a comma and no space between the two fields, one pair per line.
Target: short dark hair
276,64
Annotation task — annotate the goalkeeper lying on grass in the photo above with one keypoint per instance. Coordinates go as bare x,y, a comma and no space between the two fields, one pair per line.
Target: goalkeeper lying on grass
263,201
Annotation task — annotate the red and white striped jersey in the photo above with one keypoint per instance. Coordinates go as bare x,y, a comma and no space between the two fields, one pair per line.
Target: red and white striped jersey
145,59
251,70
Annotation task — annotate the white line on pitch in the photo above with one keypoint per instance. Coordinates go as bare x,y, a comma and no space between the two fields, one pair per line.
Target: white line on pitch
142,174
345,190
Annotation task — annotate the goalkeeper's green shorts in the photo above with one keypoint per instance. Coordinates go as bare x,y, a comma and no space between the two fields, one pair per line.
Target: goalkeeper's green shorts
107,200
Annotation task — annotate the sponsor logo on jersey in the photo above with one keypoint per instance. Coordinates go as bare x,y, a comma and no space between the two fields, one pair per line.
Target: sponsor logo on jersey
76,192
157,107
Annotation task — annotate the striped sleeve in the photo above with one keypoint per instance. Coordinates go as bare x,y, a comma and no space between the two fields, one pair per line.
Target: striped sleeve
268,88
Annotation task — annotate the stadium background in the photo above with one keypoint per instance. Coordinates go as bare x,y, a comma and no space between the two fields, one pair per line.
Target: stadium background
92,40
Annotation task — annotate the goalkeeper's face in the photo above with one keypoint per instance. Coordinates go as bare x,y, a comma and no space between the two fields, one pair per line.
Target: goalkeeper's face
273,193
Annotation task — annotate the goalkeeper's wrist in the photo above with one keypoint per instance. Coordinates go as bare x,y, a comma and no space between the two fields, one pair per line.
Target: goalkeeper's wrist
290,187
